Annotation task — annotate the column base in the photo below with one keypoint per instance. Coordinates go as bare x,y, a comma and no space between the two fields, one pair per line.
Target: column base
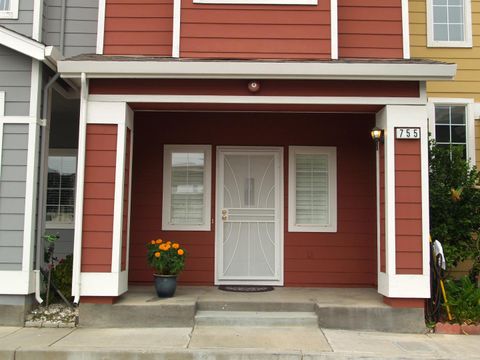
109,300
14,309
404,302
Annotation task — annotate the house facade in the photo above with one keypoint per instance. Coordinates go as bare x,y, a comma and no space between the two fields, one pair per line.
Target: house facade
449,32
38,137
242,129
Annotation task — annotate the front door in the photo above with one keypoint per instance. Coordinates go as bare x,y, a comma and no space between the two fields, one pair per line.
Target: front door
249,236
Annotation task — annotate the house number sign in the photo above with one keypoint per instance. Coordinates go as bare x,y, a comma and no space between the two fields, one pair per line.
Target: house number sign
407,133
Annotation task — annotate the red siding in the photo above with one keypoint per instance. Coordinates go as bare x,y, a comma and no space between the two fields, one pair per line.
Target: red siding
370,29
255,31
381,149
138,27
267,87
98,198
125,200
408,207
345,258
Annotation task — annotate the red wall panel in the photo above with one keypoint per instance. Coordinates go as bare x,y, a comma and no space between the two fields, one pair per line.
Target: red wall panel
255,31
345,258
408,207
138,28
370,29
99,192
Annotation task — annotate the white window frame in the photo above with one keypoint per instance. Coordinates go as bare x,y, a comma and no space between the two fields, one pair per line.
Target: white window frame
62,225
2,103
167,187
467,43
469,119
258,2
331,152
12,13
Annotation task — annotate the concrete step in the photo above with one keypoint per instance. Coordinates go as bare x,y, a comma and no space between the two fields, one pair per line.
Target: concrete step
256,318
254,305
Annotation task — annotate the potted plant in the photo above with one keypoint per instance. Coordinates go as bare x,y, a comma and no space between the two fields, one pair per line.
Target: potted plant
168,260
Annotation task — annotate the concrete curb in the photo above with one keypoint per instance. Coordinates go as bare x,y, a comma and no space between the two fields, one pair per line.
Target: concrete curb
7,354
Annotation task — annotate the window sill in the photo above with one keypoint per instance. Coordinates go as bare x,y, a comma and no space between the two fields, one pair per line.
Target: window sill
449,44
312,228
59,226
6,15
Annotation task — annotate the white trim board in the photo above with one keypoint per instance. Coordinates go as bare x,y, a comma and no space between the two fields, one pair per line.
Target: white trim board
17,282
101,26
405,30
177,11
103,284
37,20
334,29
257,70
22,44
221,99
2,103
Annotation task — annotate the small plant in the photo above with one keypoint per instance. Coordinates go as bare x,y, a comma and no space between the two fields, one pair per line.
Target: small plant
50,259
62,276
165,257
464,300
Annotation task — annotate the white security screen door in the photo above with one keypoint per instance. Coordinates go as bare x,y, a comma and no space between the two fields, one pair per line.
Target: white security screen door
249,237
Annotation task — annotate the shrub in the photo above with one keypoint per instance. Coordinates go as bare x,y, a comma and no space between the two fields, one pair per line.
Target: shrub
62,276
454,203
464,300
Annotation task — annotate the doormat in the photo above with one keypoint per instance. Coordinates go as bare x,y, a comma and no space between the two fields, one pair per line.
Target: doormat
245,288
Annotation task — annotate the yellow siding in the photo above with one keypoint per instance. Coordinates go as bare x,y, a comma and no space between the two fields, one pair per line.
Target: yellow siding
467,80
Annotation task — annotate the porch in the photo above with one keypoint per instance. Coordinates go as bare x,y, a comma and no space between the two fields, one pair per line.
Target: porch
335,308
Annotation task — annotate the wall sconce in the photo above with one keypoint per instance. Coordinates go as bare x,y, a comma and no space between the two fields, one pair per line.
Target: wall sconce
377,136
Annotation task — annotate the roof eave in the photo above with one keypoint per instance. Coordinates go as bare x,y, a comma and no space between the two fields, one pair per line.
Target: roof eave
257,70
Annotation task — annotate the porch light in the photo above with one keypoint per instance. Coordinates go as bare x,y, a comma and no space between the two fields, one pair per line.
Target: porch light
377,136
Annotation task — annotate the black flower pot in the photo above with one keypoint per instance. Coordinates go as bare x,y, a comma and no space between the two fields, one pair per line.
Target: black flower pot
165,285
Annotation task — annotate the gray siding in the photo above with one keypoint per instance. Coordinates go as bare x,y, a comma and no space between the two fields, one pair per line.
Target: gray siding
12,195
15,78
80,25
24,23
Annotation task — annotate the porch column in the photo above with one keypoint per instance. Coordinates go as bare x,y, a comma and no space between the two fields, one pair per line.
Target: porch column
403,207
103,202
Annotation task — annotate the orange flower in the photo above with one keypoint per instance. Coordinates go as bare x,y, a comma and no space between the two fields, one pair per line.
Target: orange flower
175,246
167,247
157,254
152,242
160,247
158,241
180,252
169,242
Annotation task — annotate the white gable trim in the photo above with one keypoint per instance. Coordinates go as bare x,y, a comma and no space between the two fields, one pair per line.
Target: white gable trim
22,44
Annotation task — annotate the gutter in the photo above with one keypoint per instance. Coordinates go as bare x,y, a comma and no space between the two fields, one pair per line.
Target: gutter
45,134
77,245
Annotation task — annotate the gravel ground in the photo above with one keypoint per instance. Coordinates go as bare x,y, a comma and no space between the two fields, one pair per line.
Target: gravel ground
55,315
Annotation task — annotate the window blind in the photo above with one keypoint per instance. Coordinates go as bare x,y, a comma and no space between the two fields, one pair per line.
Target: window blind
312,207
187,195
4,5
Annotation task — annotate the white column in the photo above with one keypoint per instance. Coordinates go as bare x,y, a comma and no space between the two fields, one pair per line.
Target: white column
390,283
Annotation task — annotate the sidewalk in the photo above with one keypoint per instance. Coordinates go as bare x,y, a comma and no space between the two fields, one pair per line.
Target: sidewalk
211,342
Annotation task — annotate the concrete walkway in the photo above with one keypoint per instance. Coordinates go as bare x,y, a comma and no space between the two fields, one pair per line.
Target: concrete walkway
239,343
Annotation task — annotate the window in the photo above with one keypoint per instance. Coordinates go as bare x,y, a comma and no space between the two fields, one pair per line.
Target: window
312,193
449,23
62,165
186,187
451,123
9,9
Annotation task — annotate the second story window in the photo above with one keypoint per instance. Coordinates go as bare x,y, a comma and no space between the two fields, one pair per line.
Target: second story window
449,23
9,9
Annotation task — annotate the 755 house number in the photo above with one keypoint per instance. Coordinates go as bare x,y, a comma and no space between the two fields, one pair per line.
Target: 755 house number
407,133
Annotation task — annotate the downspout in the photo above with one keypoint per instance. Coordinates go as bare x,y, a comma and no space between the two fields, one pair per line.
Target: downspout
62,27
45,135
82,136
